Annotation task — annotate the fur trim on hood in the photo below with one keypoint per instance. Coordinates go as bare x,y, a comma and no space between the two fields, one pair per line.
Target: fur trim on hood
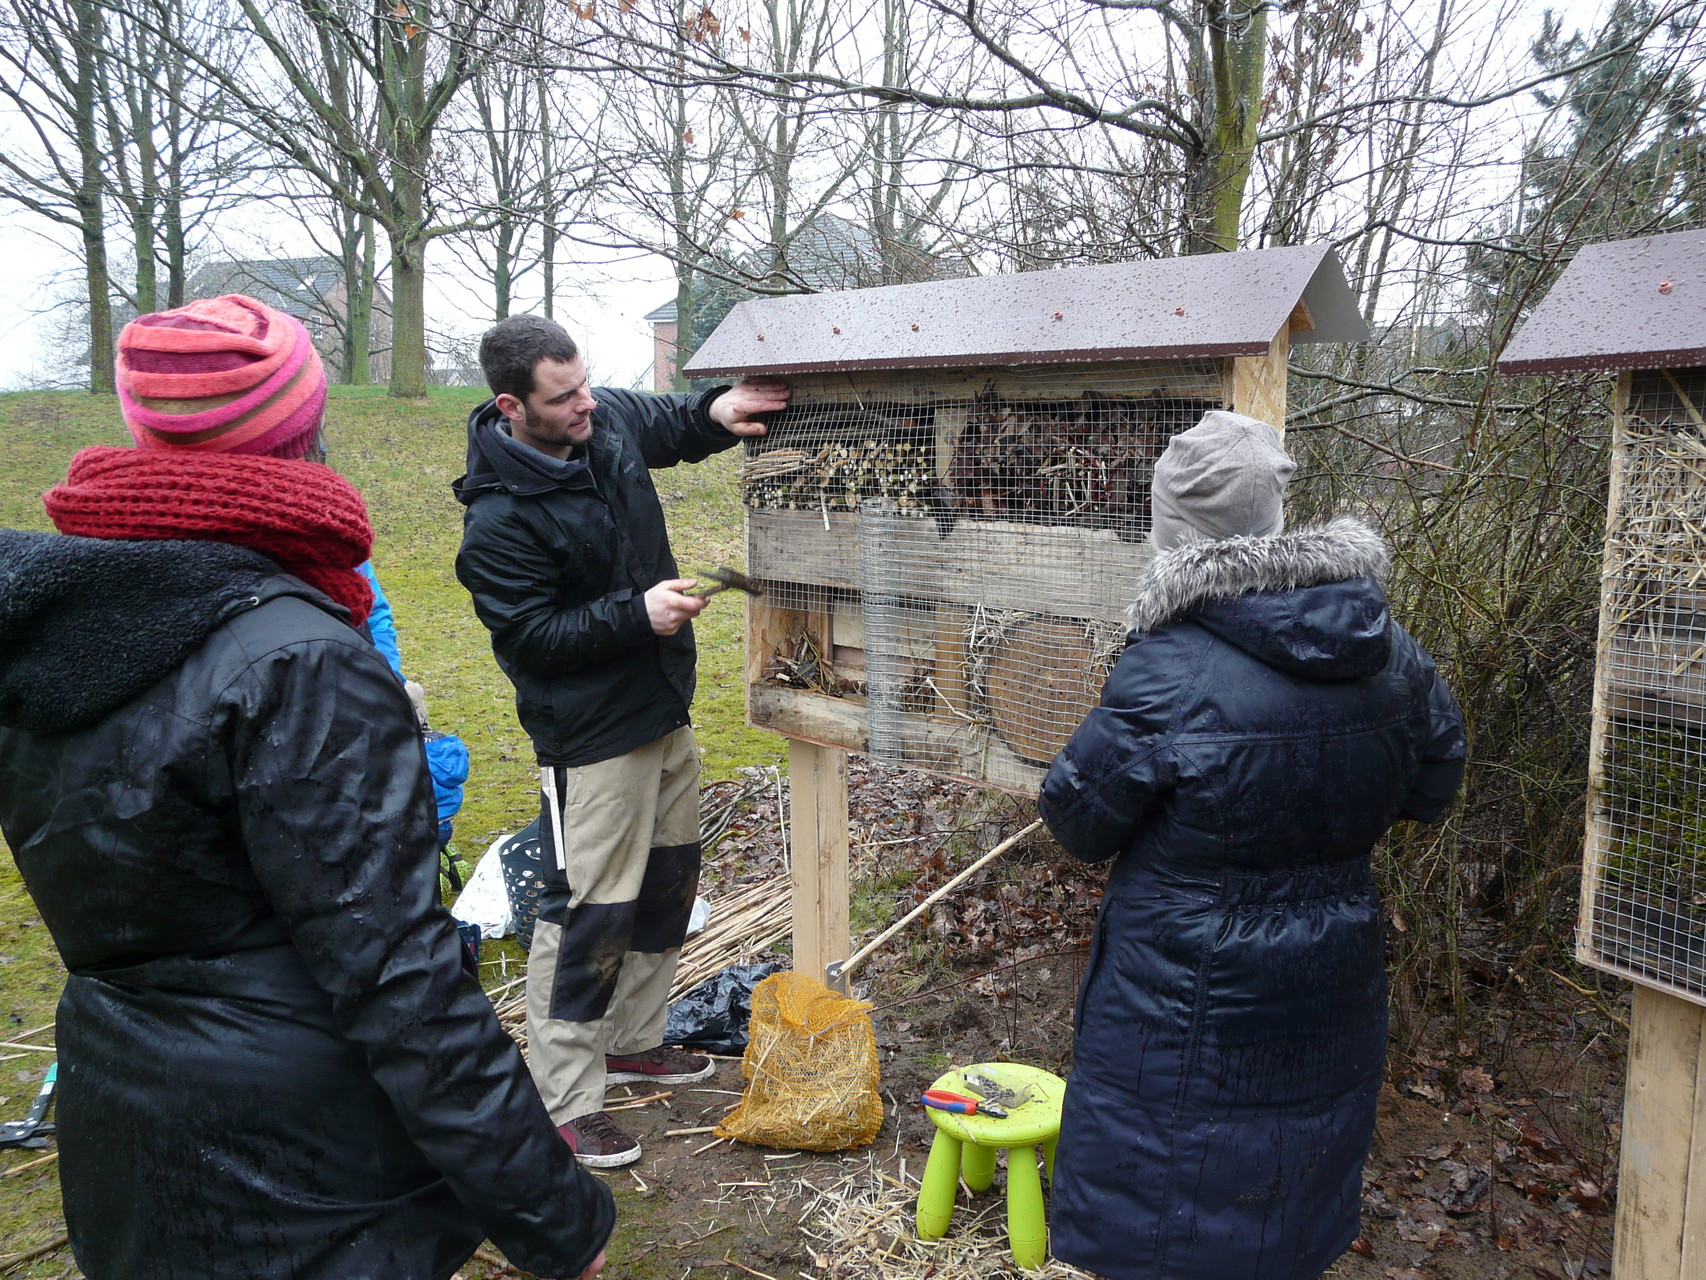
1185,578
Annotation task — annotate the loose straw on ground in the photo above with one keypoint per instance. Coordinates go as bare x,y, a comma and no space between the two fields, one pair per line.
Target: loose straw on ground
864,952
868,1231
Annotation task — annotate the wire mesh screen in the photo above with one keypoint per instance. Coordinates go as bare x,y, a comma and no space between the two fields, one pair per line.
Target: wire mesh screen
975,538
1645,896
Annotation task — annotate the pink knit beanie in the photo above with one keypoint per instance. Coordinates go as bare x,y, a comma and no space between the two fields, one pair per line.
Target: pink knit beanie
223,375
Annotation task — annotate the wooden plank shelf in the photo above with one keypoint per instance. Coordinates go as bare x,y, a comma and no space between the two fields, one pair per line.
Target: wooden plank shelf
1060,570
940,744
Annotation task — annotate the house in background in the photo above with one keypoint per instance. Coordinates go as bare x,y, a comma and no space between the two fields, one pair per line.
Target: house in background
666,347
828,253
311,289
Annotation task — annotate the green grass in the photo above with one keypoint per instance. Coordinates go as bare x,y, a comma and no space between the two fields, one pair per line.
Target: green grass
402,456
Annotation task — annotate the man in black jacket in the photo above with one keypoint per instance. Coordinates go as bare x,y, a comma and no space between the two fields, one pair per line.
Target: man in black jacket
566,555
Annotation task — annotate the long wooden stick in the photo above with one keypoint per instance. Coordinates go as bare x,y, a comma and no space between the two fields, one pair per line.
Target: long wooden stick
18,1259
863,953
28,1164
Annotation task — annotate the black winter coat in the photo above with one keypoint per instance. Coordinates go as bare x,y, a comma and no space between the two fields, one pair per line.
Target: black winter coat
559,556
1267,722
273,1062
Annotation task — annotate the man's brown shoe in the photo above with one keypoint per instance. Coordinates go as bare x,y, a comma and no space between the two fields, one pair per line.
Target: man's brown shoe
662,1065
598,1142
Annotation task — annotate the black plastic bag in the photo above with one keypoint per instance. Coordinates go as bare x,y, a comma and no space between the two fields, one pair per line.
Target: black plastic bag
713,1016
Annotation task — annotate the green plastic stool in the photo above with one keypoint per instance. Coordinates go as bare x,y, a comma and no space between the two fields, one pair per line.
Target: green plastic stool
966,1145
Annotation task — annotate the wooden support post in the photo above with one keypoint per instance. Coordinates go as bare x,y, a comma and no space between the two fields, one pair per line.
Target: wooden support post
817,780
1599,835
1661,1190
1256,384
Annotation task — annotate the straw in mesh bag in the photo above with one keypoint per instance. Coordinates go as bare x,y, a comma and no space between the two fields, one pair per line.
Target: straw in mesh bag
810,1067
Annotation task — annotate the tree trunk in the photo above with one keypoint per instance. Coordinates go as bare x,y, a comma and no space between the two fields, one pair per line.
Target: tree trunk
408,317
99,286
88,200
144,218
172,196
683,326
173,225
359,371
409,149
1236,34
503,269
548,254
147,280
548,166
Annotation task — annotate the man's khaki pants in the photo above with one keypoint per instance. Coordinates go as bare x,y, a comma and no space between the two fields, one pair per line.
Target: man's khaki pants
598,978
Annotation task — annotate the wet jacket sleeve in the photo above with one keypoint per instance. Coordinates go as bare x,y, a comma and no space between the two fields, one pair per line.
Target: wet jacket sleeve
336,814
1102,783
1443,749
509,572
669,428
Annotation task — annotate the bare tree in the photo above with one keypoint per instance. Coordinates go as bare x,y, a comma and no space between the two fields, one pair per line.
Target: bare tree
172,163
52,52
527,165
411,61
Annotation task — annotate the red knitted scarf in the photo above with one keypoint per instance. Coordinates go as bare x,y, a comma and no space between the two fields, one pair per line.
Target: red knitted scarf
306,517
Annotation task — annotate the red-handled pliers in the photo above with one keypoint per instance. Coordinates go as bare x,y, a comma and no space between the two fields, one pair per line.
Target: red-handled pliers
960,1104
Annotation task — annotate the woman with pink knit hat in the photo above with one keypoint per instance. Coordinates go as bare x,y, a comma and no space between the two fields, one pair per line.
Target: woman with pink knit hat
273,1060
225,375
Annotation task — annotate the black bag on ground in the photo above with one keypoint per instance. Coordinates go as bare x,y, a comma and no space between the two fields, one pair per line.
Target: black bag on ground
713,1016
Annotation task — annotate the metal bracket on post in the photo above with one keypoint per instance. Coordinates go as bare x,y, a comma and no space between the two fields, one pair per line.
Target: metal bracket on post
832,976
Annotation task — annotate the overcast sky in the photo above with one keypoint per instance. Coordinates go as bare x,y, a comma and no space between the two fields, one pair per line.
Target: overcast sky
601,304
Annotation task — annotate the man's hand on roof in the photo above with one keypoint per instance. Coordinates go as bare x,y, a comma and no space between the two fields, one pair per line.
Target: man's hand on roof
738,409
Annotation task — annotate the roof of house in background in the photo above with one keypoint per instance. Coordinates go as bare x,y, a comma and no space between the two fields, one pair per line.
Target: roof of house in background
1627,304
1210,305
295,286
666,314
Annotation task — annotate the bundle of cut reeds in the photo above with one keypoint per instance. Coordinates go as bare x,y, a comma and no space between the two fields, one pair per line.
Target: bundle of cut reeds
744,921
839,476
743,924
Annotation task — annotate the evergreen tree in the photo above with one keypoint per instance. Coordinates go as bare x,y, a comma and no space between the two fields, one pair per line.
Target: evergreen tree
1625,160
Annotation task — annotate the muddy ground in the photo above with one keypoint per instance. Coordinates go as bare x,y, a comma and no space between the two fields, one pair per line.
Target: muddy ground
1493,1162
1495,1155
1496,1148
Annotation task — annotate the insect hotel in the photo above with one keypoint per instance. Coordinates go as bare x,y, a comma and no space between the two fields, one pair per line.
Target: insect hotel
950,519
1638,308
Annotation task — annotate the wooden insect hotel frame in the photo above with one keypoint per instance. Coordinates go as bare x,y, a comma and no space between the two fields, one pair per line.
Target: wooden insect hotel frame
950,519
1637,308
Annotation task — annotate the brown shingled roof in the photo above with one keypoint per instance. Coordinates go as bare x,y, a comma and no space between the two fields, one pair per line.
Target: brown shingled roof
1629,304
1217,304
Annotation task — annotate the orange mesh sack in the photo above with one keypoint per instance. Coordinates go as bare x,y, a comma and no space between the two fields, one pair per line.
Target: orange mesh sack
810,1067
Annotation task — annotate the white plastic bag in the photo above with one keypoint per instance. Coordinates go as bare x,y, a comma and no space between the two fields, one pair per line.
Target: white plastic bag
484,901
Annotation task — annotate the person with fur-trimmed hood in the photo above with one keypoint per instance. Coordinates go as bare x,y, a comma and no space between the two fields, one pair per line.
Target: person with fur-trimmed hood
1267,722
